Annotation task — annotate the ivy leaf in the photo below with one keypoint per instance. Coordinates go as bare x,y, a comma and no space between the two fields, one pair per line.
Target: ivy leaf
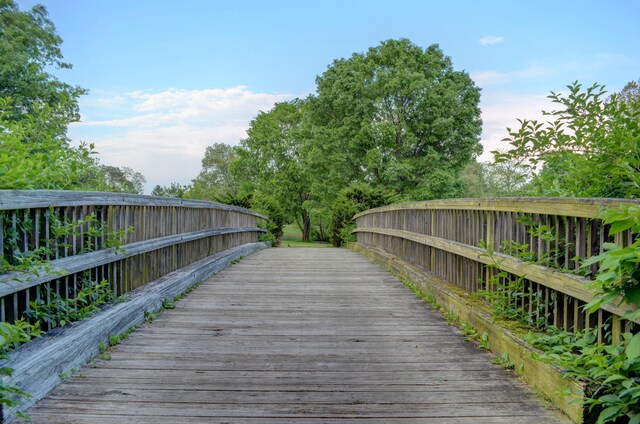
619,226
608,413
596,303
632,295
633,348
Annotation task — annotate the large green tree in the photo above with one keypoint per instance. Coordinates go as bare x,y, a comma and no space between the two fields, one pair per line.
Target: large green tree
398,116
36,108
29,46
271,161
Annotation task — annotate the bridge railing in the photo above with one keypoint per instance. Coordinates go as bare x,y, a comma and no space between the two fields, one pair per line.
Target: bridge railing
538,242
55,241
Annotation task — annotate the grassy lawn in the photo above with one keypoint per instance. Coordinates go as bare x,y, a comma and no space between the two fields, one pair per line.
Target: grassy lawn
292,237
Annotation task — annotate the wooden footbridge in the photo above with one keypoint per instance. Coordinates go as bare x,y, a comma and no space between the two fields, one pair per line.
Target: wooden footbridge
295,336
286,335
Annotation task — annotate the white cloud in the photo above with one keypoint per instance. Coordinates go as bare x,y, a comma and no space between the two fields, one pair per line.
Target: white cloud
164,134
501,110
490,40
492,77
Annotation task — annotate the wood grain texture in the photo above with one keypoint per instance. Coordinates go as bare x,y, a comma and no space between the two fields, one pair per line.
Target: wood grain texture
38,365
572,285
14,282
547,379
29,199
296,336
567,206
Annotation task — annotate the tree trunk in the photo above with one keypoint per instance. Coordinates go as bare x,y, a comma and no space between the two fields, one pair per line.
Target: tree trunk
306,226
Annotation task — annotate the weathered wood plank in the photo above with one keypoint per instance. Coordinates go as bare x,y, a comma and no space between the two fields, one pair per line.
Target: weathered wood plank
544,377
38,365
14,282
565,206
281,348
29,199
569,284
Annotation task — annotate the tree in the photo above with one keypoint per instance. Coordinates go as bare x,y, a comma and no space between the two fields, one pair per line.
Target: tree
29,45
172,190
630,93
35,107
33,155
399,117
215,179
271,162
350,201
122,179
589,148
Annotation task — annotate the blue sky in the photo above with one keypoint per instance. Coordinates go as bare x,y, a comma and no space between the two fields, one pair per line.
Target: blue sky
168,78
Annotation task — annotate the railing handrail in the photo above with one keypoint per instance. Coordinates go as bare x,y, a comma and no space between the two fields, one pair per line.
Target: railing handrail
12,282
566,206
29,199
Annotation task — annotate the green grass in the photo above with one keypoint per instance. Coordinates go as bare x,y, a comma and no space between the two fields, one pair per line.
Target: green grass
292,237
291,232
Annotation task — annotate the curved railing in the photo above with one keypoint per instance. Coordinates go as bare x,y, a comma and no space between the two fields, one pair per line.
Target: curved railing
128,240
444,238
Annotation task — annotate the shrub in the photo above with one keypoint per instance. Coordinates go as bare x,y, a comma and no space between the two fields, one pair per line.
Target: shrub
350,201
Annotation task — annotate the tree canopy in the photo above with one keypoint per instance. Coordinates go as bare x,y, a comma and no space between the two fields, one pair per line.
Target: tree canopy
398,117
36,109
29,45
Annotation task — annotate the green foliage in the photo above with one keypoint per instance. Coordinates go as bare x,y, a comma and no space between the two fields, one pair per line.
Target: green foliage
173,190
119,179
397,116
12,336
503,179
59,311
102,347
215,179
350,201
149,316
270,237
29,47
62,229
619,271
471,334
36,109
117,338
35,154
611,372
271,164
168,304
589,148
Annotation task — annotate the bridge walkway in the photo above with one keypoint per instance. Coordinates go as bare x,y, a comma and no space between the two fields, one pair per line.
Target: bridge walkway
296,336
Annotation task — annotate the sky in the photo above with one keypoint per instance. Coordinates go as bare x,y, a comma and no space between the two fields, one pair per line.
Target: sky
168,78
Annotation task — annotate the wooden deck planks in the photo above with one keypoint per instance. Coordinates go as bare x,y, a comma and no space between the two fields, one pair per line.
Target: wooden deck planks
296,336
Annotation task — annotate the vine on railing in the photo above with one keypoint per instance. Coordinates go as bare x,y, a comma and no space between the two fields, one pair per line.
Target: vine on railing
610,373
